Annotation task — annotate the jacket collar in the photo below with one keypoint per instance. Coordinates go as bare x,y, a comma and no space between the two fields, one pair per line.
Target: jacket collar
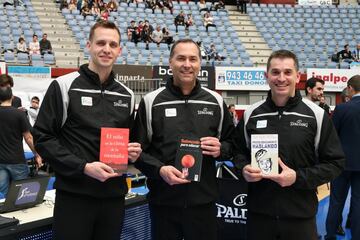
177,91
94,77
291,101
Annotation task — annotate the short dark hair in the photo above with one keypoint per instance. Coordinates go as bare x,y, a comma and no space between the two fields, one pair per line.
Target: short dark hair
5,93
344,94
185,40
354,82
103,24
231,105
311,82
346,45
35,98
6,80
283,54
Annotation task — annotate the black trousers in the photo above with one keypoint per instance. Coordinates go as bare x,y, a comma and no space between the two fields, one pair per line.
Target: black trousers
177,223
79,217
271,228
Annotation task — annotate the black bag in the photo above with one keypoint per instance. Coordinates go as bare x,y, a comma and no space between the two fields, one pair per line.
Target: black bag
6,222
231,205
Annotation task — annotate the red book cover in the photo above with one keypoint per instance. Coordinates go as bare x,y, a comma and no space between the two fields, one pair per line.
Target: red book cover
114,148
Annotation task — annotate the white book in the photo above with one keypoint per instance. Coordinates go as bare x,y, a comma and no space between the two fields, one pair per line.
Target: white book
265,153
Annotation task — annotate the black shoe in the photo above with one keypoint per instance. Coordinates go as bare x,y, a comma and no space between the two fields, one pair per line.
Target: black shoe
340,231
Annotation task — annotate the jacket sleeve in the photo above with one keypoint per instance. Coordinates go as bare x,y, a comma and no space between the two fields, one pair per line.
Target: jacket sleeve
47,134
225,138
330,162
241,154
147,164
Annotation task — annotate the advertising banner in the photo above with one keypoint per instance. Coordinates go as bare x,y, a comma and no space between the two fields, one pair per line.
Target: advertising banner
240,78
315,2
138,78
335,79
205,76
30,79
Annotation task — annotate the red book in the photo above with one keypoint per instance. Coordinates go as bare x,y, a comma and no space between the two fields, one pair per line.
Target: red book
114,148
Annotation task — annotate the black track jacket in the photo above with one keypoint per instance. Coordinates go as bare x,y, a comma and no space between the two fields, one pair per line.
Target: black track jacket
67,130
163,117
308,144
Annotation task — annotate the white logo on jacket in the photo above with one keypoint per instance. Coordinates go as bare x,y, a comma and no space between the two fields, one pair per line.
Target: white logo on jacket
119,103
299,123
205,111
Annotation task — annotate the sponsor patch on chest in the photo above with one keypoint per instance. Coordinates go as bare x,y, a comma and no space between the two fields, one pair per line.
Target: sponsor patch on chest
119,103
170,112
86,101
205,111
261,124
299,123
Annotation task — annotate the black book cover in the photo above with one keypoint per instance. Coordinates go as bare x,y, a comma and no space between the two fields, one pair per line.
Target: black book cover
189,159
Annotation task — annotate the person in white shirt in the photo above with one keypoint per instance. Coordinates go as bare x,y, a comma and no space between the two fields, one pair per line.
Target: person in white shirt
34,46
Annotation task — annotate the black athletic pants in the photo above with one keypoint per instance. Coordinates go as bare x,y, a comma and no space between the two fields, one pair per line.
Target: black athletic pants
190,223
79,217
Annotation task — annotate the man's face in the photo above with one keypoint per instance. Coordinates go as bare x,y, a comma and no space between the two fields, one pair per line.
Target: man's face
265,165
35,103
104,48
316,92
282,77
44,36
185,64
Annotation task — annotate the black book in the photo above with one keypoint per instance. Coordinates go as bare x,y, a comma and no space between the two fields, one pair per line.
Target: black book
189,158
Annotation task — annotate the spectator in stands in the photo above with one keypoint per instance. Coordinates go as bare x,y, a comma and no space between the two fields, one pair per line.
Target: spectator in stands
157,36
112,6
7,81
146,22
160,5
203,51
72,5
101,4
179,20
64,4
357,53
189,21
345,54
86,11
131,32
146,35
169,4
21,46
105,15
139,30
324,105
208,21
33,109
241,5
95,11
13,128
202,6
214,54
220,5
151,4
34,46
168,37
89,194
314,89
45,45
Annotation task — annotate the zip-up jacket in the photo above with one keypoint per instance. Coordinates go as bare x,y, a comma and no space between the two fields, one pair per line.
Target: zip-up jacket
166,115
308,144
67,130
